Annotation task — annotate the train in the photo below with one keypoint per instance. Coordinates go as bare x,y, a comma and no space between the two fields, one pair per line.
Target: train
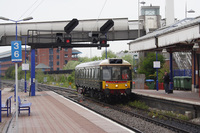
104,78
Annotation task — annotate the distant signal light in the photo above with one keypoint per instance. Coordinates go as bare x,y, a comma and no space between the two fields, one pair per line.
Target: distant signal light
103,41
68,40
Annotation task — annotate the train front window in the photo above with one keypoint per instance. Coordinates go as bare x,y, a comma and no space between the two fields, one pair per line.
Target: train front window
116,73
126,73
106,73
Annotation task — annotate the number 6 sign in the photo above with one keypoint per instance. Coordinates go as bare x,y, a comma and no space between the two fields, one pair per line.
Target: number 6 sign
16,51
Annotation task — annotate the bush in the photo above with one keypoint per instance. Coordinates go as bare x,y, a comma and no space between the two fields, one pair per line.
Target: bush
138,104
10,73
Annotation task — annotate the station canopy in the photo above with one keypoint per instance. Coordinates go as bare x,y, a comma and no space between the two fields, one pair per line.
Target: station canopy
178,37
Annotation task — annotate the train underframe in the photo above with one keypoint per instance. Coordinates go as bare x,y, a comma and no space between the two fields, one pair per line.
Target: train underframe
106,94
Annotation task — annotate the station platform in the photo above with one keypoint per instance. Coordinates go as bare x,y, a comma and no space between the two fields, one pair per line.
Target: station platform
52,113
186,97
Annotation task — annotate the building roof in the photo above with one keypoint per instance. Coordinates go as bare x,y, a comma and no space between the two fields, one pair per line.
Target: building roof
179,32
75,51
8,53
42,66
5,54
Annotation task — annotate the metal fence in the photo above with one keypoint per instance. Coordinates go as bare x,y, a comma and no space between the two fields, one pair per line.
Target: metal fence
183,72
139,81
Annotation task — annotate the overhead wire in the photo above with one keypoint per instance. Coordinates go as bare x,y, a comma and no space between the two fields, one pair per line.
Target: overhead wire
36,7
102,9
28,9
100,14
31,7
97,22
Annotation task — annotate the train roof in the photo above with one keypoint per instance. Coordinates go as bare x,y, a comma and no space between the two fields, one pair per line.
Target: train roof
106,62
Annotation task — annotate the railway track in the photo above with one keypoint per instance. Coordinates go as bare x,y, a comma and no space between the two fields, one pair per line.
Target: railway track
61,91
72,94
156,121
173,119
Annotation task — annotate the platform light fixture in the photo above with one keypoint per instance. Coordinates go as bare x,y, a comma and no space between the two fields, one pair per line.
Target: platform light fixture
188,11
195,47
164,50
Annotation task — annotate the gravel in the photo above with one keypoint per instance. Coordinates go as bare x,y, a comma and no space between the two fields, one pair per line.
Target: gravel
127,119
196,121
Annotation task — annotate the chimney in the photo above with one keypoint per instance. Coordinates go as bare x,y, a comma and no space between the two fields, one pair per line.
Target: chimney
169,12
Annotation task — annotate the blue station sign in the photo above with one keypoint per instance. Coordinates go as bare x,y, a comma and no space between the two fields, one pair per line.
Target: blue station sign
16,51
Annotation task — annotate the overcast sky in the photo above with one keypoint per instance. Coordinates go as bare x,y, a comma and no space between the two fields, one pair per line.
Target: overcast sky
50,10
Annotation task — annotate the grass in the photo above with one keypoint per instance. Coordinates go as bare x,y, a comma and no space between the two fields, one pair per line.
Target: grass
139,105
157,113
163,114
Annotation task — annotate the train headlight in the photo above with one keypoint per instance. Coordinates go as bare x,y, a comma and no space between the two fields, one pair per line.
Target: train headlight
116,86
126,85
106,85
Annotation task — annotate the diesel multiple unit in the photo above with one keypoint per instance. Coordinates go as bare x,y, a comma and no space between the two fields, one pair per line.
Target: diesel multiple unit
105,78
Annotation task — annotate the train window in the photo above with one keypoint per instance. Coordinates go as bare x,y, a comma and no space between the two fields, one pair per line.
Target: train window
126,73
91,76
96,73
88,70
80,73
116,73
106,73
77,74
86,74
92,72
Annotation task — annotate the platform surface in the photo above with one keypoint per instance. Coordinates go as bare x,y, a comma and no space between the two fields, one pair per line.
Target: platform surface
52,113
177,96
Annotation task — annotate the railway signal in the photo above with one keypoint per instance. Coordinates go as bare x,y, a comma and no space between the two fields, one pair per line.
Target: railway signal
64,40
71,25
59,37
95,38
106,27
103,41
68,40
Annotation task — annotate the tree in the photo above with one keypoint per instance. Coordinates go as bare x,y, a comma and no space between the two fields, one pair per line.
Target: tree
84,59
9,73
71,65
71,77
95,58
39,75
128,58
110,54
162,71
146,64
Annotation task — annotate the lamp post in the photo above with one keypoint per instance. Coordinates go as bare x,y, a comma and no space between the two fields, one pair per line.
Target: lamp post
16,65
186,11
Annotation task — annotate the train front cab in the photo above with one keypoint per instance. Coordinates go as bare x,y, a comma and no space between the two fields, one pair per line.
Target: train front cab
116,80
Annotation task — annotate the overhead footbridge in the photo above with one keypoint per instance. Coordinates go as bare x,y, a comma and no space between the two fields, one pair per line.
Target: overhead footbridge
86,31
